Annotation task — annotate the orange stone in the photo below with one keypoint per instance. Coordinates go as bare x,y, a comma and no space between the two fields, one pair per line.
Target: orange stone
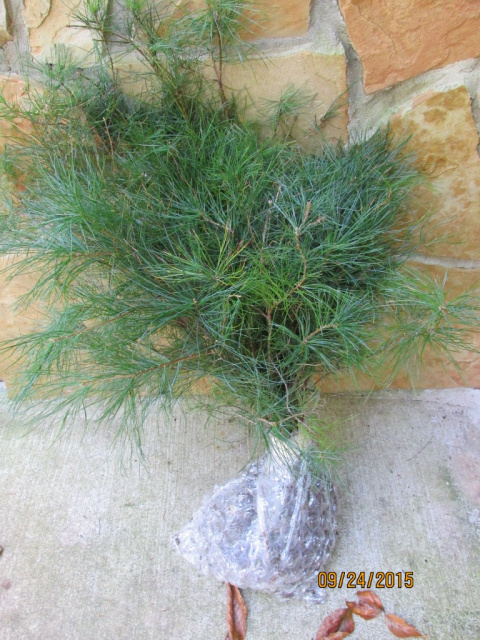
399,39
445,139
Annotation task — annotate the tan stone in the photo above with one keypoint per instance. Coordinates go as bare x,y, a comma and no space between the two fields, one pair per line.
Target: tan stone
51,23
323,76
12,89
444,138
134,75
13,323
35,12
13,132
435,372
399,39
279,19
271,18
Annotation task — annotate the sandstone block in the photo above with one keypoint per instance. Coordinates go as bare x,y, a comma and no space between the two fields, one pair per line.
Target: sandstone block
51,23
135,75
12,87
279,19
445,139
435,372
323,76
13,90
35,12
399,39
13,323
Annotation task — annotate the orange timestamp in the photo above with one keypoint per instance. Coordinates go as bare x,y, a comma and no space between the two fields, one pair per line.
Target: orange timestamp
365,579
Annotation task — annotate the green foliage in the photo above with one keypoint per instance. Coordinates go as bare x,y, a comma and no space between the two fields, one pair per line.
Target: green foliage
172,242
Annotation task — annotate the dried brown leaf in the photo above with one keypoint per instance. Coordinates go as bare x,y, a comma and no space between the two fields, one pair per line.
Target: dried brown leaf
400,628
371,598
236,614
369,605
331,623
364,610
336,626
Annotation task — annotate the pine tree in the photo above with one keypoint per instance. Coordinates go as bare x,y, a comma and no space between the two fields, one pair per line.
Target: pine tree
174,241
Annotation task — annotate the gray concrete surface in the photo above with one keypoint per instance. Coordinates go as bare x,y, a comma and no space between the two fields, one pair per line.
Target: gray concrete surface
86,530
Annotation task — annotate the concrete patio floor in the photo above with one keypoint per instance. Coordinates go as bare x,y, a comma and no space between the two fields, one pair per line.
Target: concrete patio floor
86,530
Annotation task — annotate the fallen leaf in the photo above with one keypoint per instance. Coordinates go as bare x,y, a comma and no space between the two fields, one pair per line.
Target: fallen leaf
364,610
368,597
331,623
369,605
236,614
400,628
336,626
347,625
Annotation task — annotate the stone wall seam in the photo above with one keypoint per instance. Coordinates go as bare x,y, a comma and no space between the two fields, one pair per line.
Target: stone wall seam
446,262
356,95
325,18
269,46
473,87
15,53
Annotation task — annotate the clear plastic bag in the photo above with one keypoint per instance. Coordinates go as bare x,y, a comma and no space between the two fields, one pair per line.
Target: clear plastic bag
271,528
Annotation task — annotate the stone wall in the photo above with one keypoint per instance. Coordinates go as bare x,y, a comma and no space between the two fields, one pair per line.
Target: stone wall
413,63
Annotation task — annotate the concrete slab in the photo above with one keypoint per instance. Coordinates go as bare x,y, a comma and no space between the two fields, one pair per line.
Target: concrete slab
86,530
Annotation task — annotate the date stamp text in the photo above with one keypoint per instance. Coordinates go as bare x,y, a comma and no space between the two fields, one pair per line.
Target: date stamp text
365,579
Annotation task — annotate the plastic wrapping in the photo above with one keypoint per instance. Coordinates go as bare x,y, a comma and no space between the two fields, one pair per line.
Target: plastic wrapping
271,528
